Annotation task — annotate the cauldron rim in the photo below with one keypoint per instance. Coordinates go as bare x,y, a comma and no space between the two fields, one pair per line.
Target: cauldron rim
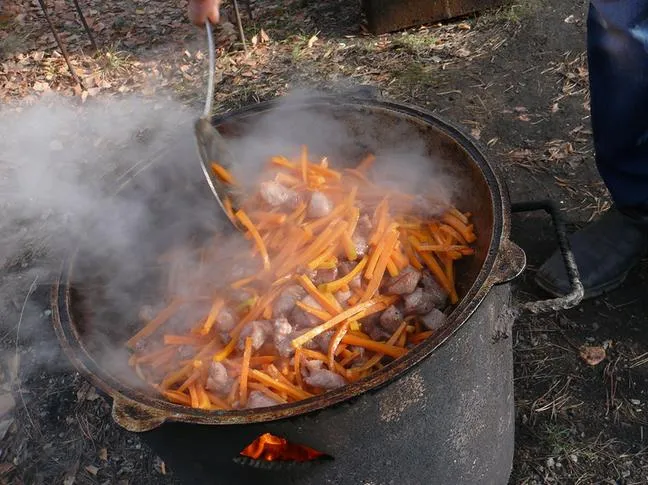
138,411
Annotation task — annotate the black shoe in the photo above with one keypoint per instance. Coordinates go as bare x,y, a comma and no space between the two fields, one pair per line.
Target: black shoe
605,252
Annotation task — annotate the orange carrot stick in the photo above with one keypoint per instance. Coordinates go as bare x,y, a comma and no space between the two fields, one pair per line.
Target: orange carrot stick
340,317
369,344
156,323
245,369
247,223
366,163
217,306
291,390
335,341
223,174
334,286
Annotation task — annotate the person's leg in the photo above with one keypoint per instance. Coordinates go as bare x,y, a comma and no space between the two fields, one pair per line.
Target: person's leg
607,249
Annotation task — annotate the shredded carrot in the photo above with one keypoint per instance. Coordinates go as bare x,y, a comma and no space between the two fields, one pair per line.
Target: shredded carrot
381,265
297,368
216,401
391,267
227,204
177,397
335,341
321,314
340,317
272,395
419,337
330,305
247,223
245,369
223,174
466,231
386,349
156,323
366,163
194,396
334,286
292,391
212,316
304,163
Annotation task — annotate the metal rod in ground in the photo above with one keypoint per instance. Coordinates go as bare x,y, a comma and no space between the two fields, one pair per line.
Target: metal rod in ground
85,24
60,44
237,13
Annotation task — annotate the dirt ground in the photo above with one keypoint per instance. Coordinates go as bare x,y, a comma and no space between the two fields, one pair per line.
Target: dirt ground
516,78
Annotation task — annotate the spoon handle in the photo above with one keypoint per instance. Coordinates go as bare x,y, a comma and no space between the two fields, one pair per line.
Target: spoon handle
212,67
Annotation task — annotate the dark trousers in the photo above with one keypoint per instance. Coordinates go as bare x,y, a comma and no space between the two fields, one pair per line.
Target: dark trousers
618,65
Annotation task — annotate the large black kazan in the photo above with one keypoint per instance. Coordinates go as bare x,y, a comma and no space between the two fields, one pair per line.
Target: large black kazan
442,414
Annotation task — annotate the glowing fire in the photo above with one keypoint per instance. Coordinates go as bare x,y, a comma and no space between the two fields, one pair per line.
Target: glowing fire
273,448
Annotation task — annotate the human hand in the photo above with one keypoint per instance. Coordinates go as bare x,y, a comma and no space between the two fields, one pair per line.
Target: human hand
202,10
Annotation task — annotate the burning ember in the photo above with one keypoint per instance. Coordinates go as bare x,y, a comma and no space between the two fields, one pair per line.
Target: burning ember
269,447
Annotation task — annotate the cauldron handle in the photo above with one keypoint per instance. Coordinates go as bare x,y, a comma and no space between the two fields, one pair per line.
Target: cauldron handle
134,416
577,291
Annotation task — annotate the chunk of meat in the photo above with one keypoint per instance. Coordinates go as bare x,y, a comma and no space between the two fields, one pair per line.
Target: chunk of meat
259,330
391,318
434,320
226,320
342,296
257,399
372,327
427,208
319,206
360,244
325,276
403,284
285,302
323,340
418,303
433,288
282,337
325,379
277,195
301,318
311,366
218,379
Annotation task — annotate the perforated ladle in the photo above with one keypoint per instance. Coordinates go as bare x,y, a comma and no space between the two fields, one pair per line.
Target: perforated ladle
212,147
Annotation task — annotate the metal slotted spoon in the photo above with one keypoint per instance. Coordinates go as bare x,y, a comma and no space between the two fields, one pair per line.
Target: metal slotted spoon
212,147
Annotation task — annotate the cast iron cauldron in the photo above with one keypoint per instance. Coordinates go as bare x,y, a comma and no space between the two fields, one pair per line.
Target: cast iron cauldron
442,414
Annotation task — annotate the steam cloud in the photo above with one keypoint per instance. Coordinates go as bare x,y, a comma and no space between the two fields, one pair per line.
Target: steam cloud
61,165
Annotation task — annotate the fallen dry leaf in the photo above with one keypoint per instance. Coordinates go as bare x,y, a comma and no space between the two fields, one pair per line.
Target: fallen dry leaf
41,86
264,37
592,355
312,41
103,454
92,470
